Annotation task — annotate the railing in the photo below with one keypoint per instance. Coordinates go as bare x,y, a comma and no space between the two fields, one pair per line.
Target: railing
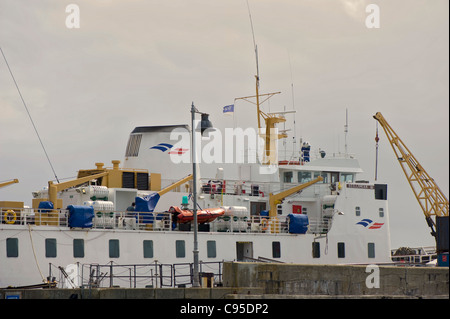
154,275
253,224
233,187
101,220
320,226
23,216
221,187
144,221
414,256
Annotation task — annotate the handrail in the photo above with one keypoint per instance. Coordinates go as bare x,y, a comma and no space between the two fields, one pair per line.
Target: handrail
151,275
131,220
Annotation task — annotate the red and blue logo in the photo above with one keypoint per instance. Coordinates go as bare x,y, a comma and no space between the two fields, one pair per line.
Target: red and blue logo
370,223
163,147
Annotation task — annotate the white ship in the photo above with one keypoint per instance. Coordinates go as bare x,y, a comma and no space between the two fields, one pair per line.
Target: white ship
310,209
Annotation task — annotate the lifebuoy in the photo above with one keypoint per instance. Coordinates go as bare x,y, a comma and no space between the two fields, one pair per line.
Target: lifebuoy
264,224
8,219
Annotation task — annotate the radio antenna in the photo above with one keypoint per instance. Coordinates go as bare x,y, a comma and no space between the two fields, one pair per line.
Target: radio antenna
254,41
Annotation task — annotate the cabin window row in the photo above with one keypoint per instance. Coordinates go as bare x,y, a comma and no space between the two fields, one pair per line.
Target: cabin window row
341,250
12,248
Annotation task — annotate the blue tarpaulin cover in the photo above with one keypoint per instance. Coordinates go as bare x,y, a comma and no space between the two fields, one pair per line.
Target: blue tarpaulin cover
80,216
298,223
47,205
147,204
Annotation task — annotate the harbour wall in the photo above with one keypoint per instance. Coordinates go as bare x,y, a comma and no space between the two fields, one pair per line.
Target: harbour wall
242,280
129,293
339,280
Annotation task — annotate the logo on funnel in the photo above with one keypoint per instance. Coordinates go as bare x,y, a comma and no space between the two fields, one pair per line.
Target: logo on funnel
163,147
367,222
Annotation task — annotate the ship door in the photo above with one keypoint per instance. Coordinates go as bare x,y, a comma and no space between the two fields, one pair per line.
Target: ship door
244,250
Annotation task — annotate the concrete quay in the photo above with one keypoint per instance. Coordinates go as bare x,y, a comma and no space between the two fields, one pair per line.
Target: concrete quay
243,280
339,281
131,293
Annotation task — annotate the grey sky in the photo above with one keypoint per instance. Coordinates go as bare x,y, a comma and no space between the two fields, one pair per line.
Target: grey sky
135,63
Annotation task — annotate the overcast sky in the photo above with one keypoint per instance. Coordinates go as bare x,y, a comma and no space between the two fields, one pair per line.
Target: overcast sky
136,62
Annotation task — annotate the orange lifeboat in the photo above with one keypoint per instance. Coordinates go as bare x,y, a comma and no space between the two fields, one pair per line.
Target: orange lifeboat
203,216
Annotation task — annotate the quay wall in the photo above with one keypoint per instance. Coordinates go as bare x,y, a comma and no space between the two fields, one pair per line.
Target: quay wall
338,280
242,280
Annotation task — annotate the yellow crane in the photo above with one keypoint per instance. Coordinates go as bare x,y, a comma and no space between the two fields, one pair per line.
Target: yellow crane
3,184
430,197
274,199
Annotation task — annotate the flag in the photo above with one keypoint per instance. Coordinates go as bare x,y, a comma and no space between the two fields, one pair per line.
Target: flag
229,109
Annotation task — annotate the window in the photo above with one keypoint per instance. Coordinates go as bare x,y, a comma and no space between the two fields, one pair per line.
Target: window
371,250
78,248
114,251
180,249
276,249
334,177
381,212
346,177
358,211
50,247
316,249
148,248
304,177
12,247
324,176
211,248
288,177
341,250
304,210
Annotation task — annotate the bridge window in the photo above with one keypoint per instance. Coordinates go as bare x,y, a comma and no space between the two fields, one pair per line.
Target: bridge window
304,177
288,177
324,176
346,177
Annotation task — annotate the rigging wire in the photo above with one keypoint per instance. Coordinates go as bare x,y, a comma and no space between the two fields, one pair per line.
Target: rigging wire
29,115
